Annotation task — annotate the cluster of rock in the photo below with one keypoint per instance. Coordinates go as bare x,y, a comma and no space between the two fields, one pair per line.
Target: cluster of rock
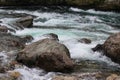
96,4
48,54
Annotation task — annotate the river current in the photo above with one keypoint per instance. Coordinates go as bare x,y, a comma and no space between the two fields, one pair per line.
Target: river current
70,25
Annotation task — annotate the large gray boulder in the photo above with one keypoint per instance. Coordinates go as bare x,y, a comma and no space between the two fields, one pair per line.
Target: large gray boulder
111,47
47,54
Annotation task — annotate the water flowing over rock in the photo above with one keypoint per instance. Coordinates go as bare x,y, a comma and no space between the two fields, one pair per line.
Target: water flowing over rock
111,47
47,54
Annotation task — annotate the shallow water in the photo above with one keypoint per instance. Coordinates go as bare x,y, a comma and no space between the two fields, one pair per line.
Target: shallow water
70,25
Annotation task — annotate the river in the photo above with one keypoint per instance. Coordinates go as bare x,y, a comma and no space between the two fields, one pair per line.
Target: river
70,24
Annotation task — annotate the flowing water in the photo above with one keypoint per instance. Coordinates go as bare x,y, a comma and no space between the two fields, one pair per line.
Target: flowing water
70,24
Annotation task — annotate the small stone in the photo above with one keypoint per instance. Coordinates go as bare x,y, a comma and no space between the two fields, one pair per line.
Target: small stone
14,74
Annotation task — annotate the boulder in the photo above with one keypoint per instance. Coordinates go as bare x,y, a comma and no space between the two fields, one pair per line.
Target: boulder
9,42
52,36
47,54
22,22
111,47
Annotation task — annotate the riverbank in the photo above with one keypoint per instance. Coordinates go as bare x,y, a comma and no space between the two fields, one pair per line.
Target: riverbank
105,5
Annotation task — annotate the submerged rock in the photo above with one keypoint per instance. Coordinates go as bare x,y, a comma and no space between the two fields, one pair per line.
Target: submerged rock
22,22
111,47
85,40
52,36
47,54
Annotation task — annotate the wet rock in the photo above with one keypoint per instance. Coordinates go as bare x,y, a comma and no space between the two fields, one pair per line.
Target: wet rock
6,29
52,36
3,29
85,40
10,42
111,47
47,54
27,38
7,78
98,47
25,22
22,22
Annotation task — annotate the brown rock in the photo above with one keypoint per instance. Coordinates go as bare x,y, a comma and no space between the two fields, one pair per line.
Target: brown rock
25,22
47,54
52,36
5,29
112,47
85,40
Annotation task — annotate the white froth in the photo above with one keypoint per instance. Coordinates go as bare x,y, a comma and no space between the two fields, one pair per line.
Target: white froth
34,74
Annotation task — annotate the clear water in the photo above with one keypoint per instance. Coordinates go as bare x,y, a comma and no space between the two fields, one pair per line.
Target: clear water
70,26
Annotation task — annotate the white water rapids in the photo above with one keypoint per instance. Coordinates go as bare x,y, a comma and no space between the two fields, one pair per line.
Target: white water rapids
69,27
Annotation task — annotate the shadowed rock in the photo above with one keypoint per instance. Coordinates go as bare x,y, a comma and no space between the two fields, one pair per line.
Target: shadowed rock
98,47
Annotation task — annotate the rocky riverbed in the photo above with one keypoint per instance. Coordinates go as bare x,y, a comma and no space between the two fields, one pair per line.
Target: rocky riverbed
59,44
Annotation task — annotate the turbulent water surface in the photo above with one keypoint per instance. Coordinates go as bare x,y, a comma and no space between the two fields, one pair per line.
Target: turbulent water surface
70,25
